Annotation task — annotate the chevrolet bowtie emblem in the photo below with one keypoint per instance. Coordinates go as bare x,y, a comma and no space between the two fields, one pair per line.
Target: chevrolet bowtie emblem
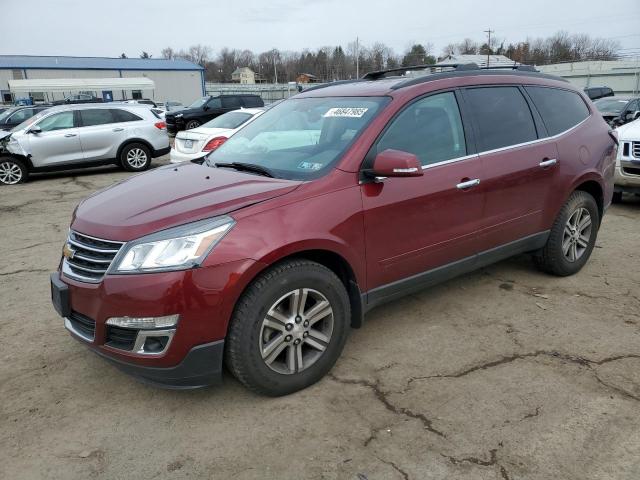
68,252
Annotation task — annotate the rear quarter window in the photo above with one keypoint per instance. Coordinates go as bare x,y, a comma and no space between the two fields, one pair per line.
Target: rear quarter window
560,109
125,116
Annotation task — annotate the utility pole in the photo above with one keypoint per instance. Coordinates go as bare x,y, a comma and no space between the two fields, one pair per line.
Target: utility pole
275,70
489,32
357,59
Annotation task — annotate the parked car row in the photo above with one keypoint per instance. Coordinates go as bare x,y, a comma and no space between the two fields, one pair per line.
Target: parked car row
207,108
341,198
82,135
618,110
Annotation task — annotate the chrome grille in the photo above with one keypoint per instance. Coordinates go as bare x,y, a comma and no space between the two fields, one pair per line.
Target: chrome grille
636,149
87,258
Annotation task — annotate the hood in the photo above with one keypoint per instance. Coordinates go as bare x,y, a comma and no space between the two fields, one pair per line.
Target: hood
183,111
629,131
169,196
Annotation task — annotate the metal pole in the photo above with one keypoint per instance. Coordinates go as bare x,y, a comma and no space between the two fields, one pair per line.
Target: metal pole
357,59
489,32
275,70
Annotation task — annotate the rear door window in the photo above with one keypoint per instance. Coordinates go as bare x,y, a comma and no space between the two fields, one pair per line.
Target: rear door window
252,101
560,109
231,102
93,117
430,128
502,117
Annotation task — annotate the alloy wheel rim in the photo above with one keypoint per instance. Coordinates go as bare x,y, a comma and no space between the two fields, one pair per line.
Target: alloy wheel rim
136,157
577,234
10,173
296,331
192,124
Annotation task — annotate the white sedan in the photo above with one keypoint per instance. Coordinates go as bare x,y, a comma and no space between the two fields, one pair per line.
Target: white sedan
198,142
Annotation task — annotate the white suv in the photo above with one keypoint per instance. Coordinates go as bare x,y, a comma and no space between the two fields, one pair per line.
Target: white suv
86,135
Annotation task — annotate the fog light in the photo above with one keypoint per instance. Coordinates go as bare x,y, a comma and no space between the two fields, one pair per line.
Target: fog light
144,322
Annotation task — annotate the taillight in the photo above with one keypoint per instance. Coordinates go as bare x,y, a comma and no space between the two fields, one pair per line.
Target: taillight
160,125
214,143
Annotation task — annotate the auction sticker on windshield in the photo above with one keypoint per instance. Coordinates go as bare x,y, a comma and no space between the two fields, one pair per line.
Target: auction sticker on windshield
347,112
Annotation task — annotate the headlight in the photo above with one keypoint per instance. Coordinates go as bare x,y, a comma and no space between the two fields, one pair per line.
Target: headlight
177,248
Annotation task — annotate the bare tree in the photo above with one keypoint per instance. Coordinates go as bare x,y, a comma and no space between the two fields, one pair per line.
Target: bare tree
168,53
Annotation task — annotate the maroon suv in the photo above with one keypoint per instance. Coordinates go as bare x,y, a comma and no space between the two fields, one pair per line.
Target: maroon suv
265,254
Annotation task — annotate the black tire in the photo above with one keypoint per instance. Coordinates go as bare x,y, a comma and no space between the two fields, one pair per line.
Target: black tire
551,258
135,157
192,124
617,197
12,171
243,343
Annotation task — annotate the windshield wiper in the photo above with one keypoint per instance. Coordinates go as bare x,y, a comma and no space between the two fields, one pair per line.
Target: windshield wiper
247,167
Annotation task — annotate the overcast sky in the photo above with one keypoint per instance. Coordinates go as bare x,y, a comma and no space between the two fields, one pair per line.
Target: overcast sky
110,27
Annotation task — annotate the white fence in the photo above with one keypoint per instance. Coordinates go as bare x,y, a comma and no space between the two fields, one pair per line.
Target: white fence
270,92
623,76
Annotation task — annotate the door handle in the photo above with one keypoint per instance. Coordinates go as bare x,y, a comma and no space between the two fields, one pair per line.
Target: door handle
468,184
69,135
549,162
118,129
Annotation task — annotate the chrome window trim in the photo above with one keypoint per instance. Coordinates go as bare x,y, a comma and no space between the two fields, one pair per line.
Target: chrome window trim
451,160
538,140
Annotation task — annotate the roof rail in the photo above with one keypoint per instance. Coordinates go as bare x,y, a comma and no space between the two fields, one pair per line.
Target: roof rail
521,67
378,74
329,84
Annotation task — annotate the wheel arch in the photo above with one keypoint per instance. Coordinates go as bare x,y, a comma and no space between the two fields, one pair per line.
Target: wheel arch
594,188
129,141
330,259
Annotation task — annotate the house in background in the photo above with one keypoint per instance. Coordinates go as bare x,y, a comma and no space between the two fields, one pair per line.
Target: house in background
306,78
480,60
243,75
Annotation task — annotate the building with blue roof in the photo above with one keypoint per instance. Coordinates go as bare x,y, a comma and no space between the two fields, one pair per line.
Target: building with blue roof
50,78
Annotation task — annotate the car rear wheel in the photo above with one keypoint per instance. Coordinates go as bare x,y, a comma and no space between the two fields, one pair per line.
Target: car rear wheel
135,157
192,124
12,171
572,237
288,328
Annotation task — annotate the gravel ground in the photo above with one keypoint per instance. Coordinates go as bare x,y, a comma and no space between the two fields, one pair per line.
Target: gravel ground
503,374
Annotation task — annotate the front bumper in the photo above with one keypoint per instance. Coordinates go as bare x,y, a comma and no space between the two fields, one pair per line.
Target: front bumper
202,297
201,367
627,177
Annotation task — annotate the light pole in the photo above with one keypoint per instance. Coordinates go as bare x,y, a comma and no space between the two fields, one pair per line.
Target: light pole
489,32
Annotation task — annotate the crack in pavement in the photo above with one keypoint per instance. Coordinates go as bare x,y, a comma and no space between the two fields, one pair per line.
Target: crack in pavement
582,361
493,461
404,474
382,396
25,270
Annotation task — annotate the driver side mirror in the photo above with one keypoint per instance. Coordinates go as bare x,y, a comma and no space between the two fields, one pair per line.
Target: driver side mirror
35,130
395,163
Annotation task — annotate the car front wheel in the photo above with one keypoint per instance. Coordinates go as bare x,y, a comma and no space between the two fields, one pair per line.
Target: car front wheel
12,171
192,124
288,328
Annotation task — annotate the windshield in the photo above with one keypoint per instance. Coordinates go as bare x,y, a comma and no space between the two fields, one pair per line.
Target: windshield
6,113
301,137
199,103
613,105
28,121
229,120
